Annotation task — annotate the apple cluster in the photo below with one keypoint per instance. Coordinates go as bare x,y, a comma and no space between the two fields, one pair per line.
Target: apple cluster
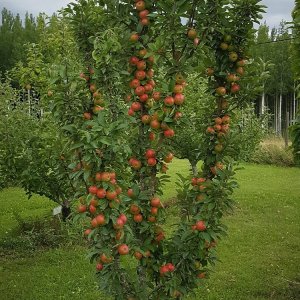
98,102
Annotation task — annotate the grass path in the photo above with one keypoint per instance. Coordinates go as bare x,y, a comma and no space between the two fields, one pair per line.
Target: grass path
259,260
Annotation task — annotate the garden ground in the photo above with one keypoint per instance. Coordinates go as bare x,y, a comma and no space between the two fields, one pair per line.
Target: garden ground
260,259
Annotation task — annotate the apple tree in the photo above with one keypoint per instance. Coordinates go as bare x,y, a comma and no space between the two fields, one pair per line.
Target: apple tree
119,149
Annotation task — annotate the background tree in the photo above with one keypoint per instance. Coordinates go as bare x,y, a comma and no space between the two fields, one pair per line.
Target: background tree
295,128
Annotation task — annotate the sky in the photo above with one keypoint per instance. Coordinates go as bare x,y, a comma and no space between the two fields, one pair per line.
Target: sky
277,9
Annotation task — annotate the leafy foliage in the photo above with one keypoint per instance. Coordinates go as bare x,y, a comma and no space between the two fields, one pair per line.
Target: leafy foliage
295,129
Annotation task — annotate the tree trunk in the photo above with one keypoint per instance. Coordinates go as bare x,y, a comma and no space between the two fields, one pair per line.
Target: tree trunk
262,104
275,115
280,114
286,130
66,210
294,104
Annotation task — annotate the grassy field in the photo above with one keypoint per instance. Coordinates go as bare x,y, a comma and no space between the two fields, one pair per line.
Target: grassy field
259,260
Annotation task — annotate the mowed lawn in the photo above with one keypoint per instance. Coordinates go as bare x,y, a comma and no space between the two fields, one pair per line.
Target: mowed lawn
260,259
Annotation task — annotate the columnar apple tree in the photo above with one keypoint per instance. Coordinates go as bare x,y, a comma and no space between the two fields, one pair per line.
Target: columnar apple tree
142,51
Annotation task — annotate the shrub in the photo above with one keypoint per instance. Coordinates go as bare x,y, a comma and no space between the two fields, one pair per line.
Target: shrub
39,234
273,152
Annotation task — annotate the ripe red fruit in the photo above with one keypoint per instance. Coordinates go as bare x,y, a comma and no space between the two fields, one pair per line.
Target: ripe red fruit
130,112
144,98
133,60
155,124
87,231
148,88
93,88
140,5
163,270
136,106
240,71
221,91
99,267
169,101
123,249
101,193
97,109
200,225
118,190
210,130
138,218
226,119
209,71
134,83
169,133
217,127
119,224
151,219
145,21
225,129
136,164
105,176
123,218
111,195
140,74
87,116
151,136
134,209
241,63
178,115
231,77
171,267
138,255
151,60
140,90
200,180
151,161
146,119
156,96
100,219
92,209
218,120
98,176
134,38
130,193
235,88
81,208
179,99
154,211
106,259
93,190
169,157
150,153
201,275
144,13
155,202
194,181
94,202
141,65
150,74
94,223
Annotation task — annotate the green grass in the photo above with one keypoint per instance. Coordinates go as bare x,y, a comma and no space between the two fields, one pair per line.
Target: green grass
15,205
259,259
